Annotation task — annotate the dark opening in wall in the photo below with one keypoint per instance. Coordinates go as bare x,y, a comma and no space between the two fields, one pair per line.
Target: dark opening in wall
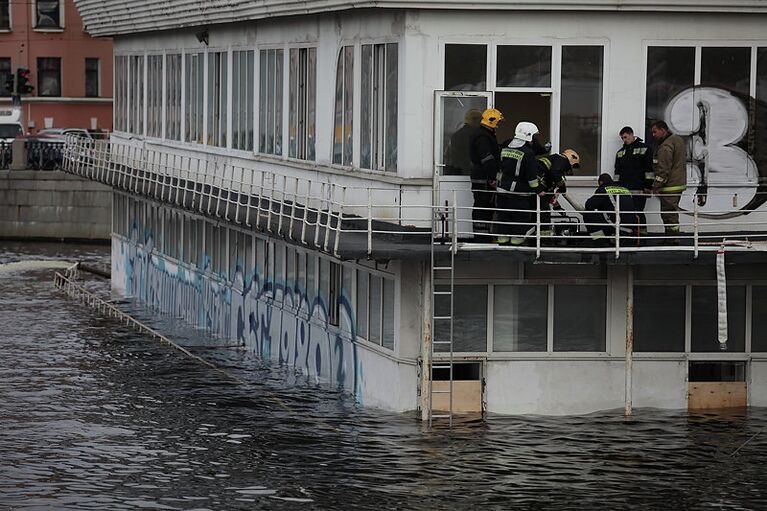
717,371
461,371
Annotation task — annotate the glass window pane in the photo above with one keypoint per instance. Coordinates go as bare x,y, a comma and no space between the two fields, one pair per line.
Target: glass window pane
705,331
469,319
388,314
460,119
391,108
579,318
520,318
338,126
726,68
524,66
465,67
758,151
652,303
759,318
670,70
348,103
581,105
375,309
362,303
366,156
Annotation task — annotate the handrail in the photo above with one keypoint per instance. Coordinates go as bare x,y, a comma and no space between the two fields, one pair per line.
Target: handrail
329,211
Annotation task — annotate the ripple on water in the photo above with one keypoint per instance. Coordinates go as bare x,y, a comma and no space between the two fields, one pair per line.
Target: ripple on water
97,417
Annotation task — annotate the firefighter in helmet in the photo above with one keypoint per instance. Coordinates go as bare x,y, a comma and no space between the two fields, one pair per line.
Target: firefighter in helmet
552,170
485,156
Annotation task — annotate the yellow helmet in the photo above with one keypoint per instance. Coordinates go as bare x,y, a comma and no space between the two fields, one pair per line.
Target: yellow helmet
572,157
491,118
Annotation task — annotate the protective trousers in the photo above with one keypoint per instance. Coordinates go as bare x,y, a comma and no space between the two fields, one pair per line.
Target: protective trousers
669,211
514,215
482,212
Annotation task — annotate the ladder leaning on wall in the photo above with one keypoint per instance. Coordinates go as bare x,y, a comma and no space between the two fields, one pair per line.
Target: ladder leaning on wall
444,230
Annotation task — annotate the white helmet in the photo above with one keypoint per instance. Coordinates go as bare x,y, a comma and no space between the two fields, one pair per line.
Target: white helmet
525,131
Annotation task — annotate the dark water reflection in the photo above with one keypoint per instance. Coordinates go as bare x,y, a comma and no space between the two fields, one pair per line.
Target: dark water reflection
96,417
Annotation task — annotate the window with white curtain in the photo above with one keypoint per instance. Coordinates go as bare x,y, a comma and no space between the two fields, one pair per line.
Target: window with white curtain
155,80
302,102
173,97
379,107
217,97
270,102
242,100
343,142
194,80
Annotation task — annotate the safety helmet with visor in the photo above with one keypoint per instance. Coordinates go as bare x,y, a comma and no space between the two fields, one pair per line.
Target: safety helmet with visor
491,118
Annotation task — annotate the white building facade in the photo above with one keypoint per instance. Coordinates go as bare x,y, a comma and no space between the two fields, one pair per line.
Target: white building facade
355,106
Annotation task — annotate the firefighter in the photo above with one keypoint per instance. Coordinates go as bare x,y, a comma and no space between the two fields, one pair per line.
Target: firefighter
457,162
599,211
552,170
670,165
485,156
634,170
517,187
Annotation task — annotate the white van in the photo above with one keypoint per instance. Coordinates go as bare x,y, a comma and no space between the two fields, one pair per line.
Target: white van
10,124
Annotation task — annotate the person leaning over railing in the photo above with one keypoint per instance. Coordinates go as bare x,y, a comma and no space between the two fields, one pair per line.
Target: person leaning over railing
634,170
517,187
670,166
599,210
552,172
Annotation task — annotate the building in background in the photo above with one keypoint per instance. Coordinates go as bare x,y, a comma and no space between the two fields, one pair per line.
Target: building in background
70,70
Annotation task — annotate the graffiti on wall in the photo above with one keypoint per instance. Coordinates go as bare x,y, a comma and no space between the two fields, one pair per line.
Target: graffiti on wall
280,322
722,129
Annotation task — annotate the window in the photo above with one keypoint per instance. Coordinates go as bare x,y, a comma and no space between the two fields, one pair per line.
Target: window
136,108
194,81
520,318
581,105
704,319
374,322
154,95
469,318
670,70
217,98
302,102
379,107
362,303
173,97
759,318
5,15
344,117
5,74
579,317
48,14
659,318
465,67
49,76
524,66
726,68
92,82
270,102
121,93
242,100
387,336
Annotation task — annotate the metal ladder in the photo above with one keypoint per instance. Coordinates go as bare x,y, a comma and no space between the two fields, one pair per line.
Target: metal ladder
442,269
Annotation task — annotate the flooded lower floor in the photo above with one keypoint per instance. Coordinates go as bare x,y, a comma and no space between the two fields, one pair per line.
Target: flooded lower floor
96,416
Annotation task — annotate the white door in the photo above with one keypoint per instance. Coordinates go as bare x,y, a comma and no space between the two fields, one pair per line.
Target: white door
452,166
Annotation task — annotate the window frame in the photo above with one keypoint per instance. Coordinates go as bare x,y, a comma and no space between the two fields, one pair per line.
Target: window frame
359,57
62,21
556,82
309,153
98,77
40,76
9,28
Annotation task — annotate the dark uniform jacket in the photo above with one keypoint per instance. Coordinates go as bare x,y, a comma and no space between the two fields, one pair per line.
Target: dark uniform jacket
633,166
552,170
485,155
519,170
605,198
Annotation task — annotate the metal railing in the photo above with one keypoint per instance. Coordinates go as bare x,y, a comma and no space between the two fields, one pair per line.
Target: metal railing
328,215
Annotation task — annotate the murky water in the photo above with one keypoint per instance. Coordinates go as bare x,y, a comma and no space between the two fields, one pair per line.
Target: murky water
96,417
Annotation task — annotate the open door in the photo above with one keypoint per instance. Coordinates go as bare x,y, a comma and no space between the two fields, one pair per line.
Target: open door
452,167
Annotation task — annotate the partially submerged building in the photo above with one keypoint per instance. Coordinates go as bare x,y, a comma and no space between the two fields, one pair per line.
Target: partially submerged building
283,176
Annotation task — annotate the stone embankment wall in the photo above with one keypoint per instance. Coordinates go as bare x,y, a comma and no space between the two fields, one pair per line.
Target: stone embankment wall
53,205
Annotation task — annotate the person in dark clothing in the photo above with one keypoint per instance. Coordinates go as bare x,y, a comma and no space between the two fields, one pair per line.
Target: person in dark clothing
485,156
599,211
634,170
552,170
457,160
517,187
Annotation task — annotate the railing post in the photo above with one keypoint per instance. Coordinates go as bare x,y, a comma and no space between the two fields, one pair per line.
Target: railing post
282,204
617,226
455,222
537,226
695,226
370,221
338,221
317,222
293,209
306,211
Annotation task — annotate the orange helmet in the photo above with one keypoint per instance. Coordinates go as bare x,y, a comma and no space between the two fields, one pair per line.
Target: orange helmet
572,157
491,118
